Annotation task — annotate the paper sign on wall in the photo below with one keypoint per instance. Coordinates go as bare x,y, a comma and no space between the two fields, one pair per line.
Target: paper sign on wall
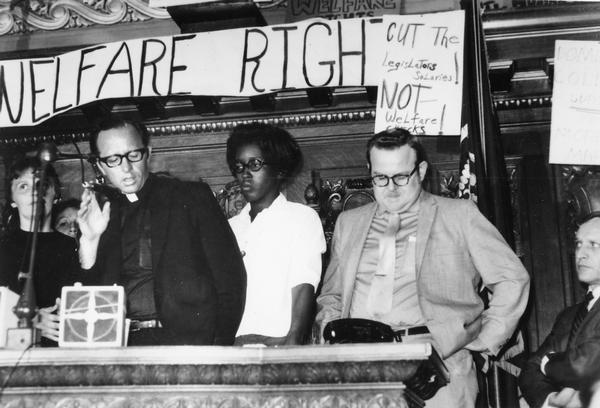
421,85
575,128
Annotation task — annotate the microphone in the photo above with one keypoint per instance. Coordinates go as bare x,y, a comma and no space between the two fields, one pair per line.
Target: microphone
48,152
26,307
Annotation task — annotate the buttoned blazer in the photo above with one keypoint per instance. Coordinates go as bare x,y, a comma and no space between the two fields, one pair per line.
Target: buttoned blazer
567,367
456,249
199,276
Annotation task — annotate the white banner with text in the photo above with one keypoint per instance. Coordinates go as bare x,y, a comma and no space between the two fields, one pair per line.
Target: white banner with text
414,52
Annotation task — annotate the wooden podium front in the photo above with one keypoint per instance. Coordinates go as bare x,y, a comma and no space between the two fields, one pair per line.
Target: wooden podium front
353,375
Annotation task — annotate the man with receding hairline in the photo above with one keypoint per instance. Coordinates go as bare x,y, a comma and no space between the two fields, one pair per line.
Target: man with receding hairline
414,261
166,241
570,355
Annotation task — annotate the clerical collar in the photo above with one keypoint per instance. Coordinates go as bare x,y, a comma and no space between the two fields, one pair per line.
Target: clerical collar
142,193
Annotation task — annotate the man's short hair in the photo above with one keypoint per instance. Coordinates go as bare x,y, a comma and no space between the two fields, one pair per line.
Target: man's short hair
393,139
582,219
278,147
117,123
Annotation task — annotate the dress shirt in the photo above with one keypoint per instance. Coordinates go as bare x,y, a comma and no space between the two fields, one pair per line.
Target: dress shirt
136,244
281,249
405,302
596,293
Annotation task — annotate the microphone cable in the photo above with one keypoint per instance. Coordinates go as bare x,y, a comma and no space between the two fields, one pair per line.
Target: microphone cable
81,166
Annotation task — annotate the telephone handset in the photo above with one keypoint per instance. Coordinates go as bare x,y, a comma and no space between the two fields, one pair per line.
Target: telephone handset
358,331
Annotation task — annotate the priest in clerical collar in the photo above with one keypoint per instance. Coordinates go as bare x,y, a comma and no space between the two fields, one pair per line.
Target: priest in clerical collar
165,241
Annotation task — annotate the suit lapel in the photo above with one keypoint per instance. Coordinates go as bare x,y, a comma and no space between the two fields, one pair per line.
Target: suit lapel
592,315
160,210
427,212
356,241
110,244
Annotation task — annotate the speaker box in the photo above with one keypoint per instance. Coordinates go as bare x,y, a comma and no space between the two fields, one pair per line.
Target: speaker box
92,316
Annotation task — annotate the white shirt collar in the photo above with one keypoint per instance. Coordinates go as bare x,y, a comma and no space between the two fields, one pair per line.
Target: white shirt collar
596,293
279,201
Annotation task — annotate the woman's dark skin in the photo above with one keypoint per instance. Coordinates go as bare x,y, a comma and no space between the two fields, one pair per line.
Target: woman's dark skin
260,188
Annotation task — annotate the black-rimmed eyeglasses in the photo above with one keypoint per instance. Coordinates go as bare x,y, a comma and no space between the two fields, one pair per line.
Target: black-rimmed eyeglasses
381,180
254,164
132,156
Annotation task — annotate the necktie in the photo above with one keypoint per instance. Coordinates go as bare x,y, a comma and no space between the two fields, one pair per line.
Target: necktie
579,317
379,300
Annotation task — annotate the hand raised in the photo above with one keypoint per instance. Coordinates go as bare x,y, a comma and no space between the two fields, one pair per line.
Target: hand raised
565,398
92,219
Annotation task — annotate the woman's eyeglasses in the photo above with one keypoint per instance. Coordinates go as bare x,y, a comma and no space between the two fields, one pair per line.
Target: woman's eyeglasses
253,164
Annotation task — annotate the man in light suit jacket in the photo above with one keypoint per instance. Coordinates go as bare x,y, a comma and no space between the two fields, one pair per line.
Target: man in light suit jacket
444,249
570,355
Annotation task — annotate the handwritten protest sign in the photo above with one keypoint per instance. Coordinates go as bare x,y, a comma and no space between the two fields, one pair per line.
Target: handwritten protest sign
244,62
421,86
575,127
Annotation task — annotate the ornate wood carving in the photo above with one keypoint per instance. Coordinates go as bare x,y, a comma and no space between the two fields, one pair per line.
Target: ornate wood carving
34,15
248,374
358,375
203,126
581,186
215,396
230,199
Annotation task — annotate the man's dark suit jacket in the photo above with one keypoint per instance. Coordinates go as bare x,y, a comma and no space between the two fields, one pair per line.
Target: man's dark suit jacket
199,275
570,367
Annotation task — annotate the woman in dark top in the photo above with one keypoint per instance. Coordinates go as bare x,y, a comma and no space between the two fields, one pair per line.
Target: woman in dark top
56,262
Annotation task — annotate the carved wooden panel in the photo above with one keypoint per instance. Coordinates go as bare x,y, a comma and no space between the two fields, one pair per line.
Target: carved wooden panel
368,396
356,375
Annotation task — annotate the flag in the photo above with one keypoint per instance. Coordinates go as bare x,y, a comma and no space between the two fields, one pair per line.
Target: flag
467,178
483,179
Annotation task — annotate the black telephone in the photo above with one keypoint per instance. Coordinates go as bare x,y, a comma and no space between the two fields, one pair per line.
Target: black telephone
358,331
425,382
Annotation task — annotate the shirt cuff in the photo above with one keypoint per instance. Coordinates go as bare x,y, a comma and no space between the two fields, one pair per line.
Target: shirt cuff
545,360
546,404
479,345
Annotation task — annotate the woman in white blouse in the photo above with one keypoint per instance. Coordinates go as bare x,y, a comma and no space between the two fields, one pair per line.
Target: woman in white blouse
281,241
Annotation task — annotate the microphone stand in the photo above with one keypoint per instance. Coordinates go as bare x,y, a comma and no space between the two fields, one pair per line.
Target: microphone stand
24,336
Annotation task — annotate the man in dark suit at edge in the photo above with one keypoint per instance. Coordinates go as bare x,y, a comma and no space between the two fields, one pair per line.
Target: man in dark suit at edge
166,241
570,355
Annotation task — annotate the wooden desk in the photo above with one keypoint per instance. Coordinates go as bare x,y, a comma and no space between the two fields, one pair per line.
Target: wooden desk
353,375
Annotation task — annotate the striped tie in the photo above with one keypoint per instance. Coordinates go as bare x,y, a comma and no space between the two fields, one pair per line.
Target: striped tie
579,317
379,299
